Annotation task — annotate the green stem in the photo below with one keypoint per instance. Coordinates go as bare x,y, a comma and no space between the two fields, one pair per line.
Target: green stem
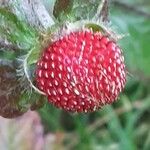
25,67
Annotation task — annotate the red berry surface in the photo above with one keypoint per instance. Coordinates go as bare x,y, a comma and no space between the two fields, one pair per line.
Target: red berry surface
81,72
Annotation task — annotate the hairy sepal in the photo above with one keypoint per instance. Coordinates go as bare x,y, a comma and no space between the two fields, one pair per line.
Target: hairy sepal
83,25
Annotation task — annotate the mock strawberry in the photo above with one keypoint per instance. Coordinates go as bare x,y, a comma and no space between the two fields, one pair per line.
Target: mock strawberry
81,71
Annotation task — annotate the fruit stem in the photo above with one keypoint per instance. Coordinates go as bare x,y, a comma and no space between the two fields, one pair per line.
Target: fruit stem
25,67
102,12
34,11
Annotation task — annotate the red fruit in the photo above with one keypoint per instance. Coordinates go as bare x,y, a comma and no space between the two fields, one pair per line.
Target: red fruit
81,71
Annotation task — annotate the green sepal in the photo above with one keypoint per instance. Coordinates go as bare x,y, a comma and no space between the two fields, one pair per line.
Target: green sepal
94,27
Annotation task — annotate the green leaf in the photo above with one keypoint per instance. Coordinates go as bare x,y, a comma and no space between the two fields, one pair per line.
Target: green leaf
16,31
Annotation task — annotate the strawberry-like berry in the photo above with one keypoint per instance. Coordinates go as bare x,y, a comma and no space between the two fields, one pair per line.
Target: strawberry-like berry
81,72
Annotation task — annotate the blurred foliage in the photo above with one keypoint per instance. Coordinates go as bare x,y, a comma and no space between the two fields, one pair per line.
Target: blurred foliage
125,125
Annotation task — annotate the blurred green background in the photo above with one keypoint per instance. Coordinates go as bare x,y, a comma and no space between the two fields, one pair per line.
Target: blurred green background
125,125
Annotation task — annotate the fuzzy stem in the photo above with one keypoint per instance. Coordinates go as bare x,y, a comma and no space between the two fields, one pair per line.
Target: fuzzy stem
102,11
25,67
42,13
4,2
33,11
